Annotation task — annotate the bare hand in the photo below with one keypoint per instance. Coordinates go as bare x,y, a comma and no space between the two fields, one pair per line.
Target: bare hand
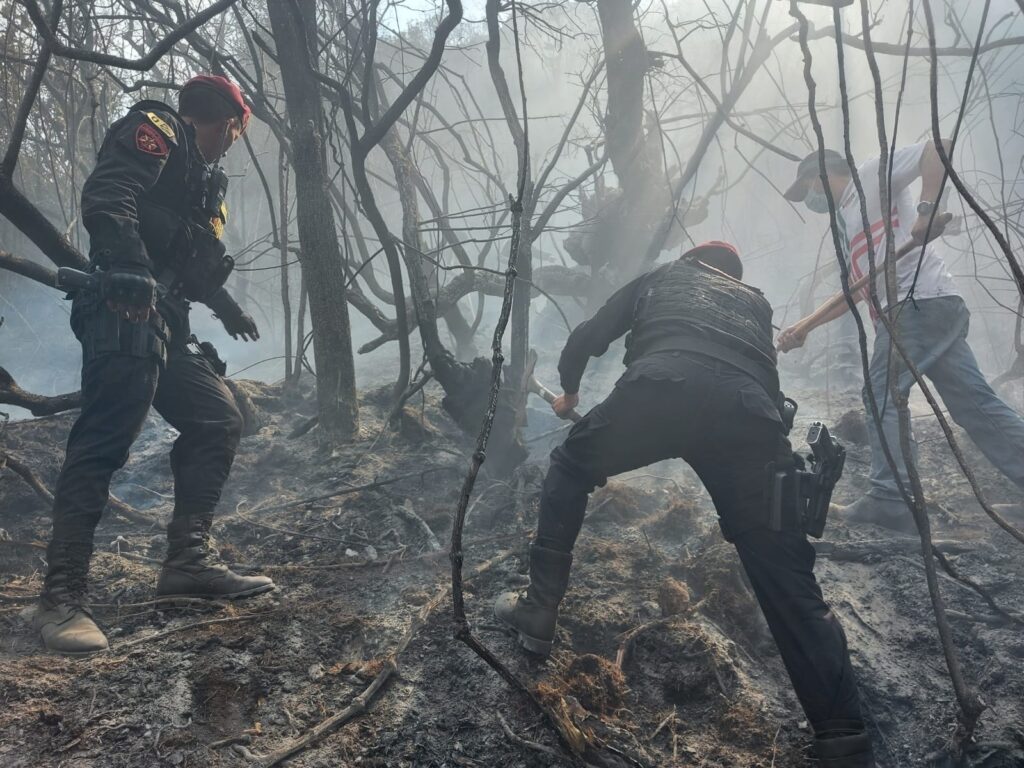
921,230
791,338
131,313
563,404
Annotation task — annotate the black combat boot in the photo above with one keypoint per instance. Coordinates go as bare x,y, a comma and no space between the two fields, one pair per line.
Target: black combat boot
533,615
843,744
63,619
193,568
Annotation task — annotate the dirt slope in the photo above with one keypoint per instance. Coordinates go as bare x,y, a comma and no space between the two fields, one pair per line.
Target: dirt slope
662,654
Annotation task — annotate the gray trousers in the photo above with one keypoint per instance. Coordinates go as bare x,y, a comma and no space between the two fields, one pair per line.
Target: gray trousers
934,334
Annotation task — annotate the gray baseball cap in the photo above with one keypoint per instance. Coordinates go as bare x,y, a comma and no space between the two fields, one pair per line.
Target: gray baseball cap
808,171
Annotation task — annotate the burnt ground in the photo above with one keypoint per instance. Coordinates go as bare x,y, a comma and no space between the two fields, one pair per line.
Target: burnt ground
661,653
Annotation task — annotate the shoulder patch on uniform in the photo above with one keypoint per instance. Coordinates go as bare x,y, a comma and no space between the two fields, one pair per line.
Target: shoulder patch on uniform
161,124
150,141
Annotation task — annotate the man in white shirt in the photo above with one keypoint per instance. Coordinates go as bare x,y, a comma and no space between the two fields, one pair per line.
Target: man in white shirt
927,311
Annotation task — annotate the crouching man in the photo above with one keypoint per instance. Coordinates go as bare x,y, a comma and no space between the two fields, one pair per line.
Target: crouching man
700,384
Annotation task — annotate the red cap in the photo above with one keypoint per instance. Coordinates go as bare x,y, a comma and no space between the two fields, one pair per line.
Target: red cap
226,89
713,245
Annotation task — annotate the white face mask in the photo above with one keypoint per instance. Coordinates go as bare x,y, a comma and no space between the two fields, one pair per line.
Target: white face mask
816,201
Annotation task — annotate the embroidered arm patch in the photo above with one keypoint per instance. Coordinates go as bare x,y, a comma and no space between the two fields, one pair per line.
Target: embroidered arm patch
149,140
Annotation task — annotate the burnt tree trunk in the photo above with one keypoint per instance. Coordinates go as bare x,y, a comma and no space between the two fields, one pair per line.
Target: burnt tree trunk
294,26
520,340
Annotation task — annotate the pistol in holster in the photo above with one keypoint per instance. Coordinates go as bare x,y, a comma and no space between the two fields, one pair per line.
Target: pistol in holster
207,350
801,492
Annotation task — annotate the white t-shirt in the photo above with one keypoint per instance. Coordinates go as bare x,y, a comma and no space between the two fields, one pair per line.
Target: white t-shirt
933,279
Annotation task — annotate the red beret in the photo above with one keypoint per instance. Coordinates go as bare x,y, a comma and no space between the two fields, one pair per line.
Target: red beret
231,92
713,245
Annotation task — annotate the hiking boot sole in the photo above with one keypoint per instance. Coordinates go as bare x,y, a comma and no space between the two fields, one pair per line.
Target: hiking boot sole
75,654
220,595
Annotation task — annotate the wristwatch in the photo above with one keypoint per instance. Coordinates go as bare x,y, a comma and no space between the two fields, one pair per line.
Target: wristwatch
924,208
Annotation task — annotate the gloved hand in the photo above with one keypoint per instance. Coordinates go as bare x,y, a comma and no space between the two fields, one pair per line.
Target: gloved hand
236,321
242,325
130,291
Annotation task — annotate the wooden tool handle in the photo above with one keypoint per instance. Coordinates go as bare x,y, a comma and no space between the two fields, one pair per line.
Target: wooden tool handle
549,397
812,321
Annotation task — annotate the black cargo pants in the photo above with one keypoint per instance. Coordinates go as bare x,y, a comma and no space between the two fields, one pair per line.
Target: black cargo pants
724,424
121,378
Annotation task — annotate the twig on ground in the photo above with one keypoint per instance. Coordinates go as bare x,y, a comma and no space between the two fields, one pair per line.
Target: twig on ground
516,739
18,599
670,717
407,513
861,551
195,625
951,569
362,702
242,738
300,534
345,491
996,621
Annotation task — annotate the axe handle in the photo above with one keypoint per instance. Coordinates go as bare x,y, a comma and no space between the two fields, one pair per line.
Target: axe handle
815,319
550,397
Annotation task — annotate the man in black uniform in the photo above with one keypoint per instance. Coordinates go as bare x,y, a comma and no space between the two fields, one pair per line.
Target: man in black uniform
154,209
700,384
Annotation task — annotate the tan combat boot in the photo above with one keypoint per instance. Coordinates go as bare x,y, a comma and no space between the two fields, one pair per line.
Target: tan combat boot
63,619
193,568
534,614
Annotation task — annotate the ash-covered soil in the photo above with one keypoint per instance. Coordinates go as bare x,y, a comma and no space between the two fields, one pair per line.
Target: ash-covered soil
662,657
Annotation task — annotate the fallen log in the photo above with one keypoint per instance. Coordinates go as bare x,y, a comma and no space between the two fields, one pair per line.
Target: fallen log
37,405
115,505
30,269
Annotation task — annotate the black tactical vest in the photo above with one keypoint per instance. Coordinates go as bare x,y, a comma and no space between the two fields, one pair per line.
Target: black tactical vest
688,306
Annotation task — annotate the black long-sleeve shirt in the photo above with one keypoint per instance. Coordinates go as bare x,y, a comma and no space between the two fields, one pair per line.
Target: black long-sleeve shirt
130,164
592,337
147,153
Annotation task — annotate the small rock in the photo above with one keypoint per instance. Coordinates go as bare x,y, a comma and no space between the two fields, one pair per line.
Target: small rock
371,552
316,672
351,553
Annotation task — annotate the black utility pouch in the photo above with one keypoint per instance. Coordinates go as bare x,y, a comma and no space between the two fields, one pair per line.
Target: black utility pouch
103,332
201,263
